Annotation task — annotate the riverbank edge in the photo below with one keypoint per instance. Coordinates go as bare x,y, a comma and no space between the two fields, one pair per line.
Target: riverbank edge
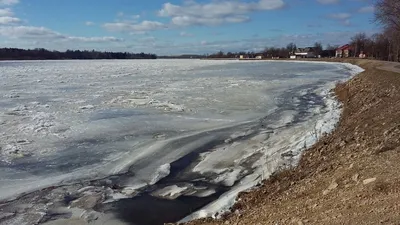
325,124
281,181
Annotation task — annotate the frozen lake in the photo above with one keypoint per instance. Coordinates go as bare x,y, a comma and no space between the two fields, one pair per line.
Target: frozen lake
175,130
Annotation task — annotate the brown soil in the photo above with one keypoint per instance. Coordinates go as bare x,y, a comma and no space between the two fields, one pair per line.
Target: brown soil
351,176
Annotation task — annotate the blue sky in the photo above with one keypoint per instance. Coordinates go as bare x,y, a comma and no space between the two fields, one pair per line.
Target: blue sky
181,26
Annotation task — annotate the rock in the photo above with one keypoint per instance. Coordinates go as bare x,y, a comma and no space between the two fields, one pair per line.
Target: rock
88,201
369,180
333,186
355,177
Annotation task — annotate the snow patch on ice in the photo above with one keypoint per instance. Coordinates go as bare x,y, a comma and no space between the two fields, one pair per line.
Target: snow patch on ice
161,172
170,192
115,196
225,201
228,178
202,193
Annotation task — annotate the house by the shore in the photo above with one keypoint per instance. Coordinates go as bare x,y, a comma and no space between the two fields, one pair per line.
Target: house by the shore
308,52
344,51
252,56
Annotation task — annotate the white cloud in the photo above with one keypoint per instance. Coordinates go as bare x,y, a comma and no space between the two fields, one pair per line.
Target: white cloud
325,2
188,20
193,13
95,39
215,12
144,26
28,32
367,9
7,17
122,14
89,23
7,20
28,36
9,2
185,34
44,34
340,16
6,12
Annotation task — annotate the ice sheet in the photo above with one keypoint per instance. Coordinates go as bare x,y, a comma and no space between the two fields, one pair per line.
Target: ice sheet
213,125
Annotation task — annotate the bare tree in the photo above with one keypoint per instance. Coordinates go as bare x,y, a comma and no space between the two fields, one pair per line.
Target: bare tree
318,48
381,46
358,42
291,48
387,13
393,36
332,47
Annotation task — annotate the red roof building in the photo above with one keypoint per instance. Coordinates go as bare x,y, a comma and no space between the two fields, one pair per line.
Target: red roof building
344,51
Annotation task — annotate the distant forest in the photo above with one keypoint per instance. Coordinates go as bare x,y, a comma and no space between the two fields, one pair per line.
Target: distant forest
42,54
183,57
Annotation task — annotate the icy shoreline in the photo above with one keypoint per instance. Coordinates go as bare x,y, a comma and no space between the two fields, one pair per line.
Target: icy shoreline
324,125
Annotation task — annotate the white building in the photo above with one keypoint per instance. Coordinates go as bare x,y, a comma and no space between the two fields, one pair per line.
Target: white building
308,52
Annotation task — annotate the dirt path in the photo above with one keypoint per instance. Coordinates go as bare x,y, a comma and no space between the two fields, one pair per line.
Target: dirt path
390,66
349,177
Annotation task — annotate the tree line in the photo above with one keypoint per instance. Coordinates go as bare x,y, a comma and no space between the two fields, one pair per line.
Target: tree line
44,54
281,52
383,46
386,44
